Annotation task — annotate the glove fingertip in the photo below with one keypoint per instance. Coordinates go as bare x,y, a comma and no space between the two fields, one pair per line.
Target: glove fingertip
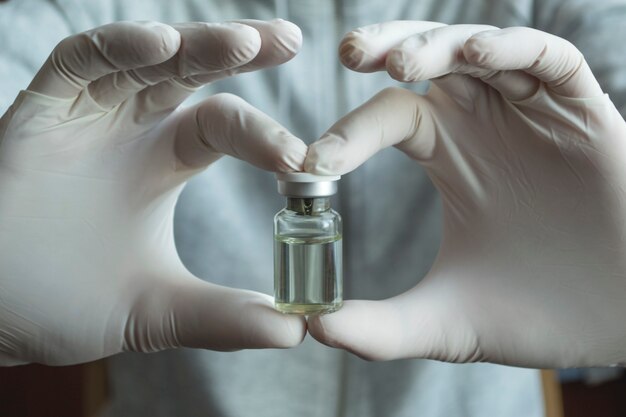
241,45
128,45
477,53
292,333
327,156
402,66
349,55
492,48
289,153
355,54
290,34
268,328
368,329
169,37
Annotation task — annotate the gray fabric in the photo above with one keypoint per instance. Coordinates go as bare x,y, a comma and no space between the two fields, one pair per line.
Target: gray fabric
392,213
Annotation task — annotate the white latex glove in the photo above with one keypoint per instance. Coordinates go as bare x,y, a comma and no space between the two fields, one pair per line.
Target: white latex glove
92,159
529,157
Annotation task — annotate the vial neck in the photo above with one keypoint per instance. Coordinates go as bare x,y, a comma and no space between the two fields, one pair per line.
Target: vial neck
308,206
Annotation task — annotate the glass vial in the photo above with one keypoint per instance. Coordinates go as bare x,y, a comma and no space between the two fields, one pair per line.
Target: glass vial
308,270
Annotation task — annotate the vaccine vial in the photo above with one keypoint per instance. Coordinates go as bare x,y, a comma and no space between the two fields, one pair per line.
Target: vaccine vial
308,273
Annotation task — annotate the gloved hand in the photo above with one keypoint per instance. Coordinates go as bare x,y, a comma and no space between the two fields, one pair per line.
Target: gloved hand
529,158
93,156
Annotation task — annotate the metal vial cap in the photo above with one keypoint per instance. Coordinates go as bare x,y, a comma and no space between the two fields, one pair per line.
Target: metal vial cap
305,185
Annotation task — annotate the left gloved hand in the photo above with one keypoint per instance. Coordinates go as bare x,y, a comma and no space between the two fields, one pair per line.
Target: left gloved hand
529,157
93,156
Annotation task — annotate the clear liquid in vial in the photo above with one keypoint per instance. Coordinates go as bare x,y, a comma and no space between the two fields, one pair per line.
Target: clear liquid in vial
308,274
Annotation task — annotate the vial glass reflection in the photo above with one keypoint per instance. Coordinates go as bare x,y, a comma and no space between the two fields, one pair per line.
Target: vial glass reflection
307,247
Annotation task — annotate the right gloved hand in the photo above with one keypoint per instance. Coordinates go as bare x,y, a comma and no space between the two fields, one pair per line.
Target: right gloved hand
528,156
93,156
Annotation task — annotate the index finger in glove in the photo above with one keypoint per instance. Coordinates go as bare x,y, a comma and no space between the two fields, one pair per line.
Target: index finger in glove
280,41
226,124
80,59
436,53
204,48
392,116
551,59
512,60
208,52
419,51
365,49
